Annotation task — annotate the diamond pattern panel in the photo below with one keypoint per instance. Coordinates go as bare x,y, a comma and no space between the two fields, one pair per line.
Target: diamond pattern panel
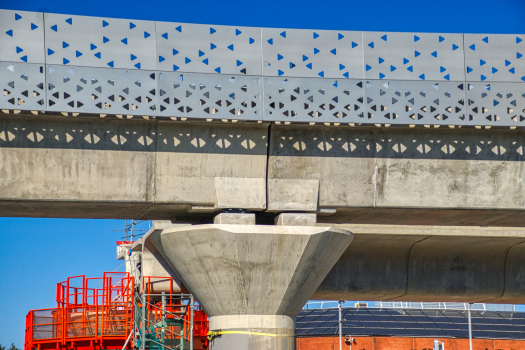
21,36
22,86
312,53
314,100
198,48
415,102
413,56
210,96
495,57
100,42
102,90
496,104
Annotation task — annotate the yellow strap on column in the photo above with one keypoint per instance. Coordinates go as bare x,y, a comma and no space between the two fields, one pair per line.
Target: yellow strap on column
213,334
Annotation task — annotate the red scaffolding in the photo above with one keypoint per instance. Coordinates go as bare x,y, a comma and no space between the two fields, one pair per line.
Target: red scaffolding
96,313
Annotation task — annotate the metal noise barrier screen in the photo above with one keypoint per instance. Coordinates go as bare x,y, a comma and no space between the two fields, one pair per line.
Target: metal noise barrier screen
63,63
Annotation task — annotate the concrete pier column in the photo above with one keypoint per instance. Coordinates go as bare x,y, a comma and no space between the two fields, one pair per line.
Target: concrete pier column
252,280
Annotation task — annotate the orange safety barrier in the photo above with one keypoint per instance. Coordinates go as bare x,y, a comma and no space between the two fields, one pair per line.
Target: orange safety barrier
87,316
97,313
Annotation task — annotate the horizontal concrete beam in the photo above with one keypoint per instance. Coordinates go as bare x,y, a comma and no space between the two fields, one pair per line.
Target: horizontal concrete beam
429,263
189,172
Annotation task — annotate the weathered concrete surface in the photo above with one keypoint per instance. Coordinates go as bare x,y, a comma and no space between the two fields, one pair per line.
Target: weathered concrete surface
399,175
235,219
429,263
53,166
264,273
296,219
96,168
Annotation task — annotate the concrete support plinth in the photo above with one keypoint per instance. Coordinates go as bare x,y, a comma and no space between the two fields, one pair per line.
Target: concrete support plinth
252,280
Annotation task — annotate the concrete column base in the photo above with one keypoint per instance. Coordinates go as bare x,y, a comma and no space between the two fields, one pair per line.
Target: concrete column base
263,332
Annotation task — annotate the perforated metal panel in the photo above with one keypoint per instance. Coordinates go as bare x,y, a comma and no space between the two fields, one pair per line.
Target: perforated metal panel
314,100
200,48
415,102
413,56
496,104
312,53
210,96
22,86
22,36
101,90
495,57
100,42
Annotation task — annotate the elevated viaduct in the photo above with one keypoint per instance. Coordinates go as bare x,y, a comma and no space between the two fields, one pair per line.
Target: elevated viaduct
390,163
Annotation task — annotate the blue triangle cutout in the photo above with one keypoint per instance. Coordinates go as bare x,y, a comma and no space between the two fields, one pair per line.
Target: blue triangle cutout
111,64
9,32
518,40
507,63
133,57
218,69
105,40
98,55
334,51
354,45
201,53
230,47
137,65
65,61
481,62
131,25
384,37
187,60
205,61
454,47
305,58
104,23
239,63
512,70
316,35
405,61
165,35
50,52
64,44
78,53
279,57
441,39
435,54
33,26
93,47
447,77
392,68
212,46
416,53
371,44
494,70
270,41
469,69
146,34
341,67
442,69
19,49
24,58
175,68
280,72
381,75
175,52
212,30
17,17
238,32
316,51
381,60
416,38
411,69
486,39
283,34
422,77
346,75
125,41
321,74
251,41
309,65
473,47
179,29
55,28
70,21
340,36
368,67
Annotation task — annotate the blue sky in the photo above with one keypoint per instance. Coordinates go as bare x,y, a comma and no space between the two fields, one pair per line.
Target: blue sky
37,253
